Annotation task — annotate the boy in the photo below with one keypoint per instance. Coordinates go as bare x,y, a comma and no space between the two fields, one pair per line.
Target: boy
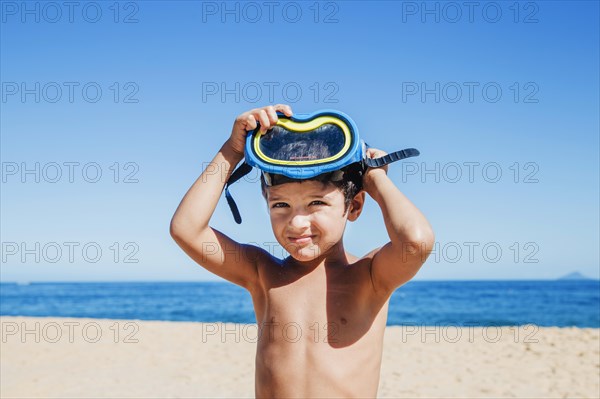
322,311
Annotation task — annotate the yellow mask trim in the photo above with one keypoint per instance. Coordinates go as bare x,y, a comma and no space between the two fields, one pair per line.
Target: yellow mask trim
303,127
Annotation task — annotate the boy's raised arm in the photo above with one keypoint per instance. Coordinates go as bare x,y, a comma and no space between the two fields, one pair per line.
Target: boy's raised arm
411,236
190,228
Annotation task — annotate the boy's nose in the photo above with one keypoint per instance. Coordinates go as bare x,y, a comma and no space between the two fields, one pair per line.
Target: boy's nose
299,221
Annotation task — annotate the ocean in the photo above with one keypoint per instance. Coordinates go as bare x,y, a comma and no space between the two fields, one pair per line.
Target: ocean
464,303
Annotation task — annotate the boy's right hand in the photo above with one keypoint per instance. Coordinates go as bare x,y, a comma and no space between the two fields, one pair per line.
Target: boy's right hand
266,116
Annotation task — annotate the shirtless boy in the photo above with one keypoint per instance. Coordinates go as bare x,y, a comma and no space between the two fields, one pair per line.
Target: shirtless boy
321,311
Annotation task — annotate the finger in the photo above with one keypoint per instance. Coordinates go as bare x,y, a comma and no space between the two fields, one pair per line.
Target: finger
250,122
272,114
264,120
286,109
375,152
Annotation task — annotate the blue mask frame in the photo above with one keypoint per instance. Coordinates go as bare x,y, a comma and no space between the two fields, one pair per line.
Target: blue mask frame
339,126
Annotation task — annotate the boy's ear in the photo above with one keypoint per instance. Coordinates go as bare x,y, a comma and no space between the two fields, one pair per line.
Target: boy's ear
356,206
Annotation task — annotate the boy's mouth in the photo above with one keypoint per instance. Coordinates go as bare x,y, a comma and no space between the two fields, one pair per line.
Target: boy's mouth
300,239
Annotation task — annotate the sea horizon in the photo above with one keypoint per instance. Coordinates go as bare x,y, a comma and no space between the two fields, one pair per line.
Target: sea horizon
551,303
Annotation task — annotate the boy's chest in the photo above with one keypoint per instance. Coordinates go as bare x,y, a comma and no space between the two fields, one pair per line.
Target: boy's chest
318,308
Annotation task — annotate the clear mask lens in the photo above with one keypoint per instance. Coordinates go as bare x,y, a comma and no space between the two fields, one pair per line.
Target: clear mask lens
323,142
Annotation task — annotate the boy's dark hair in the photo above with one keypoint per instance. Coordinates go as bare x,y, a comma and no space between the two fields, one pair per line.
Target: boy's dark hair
349,185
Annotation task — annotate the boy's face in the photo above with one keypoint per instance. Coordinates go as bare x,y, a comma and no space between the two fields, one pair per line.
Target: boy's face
309,218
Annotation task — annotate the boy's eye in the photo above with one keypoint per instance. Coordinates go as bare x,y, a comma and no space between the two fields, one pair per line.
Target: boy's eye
284,205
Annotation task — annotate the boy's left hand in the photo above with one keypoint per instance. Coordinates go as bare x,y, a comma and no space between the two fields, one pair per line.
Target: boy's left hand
371,173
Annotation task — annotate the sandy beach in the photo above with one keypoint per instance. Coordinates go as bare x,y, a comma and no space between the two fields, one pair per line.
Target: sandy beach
85,358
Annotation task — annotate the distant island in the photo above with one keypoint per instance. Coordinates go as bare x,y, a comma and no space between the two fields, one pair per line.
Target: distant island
574,276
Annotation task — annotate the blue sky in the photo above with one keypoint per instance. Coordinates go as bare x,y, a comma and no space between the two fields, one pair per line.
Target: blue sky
502,101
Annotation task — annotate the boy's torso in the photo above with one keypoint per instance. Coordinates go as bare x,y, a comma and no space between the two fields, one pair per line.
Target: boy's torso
321,333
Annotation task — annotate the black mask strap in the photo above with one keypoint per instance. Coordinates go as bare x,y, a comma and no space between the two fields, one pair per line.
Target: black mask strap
237,174
392,157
